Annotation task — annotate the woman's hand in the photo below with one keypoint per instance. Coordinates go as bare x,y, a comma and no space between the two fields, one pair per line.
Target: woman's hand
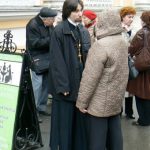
83,110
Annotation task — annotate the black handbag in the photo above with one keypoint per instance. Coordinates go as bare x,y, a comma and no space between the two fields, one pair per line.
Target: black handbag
133,72
39,63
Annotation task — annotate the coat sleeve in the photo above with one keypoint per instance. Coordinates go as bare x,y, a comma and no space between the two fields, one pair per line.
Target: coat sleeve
136,43
35,38
86,42
57,64
92,73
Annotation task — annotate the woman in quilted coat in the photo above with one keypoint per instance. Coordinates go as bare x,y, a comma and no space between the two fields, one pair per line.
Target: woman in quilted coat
103,83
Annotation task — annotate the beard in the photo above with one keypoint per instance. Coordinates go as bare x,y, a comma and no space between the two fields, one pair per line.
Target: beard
78,20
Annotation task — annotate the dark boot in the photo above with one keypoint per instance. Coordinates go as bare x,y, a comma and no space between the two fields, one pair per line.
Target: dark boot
128,107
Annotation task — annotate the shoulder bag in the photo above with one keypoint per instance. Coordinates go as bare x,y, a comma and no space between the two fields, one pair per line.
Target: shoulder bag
133,72
142,61
39,63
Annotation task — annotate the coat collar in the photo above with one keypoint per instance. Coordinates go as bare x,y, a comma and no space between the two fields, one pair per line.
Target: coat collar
66,28
39,20
70,21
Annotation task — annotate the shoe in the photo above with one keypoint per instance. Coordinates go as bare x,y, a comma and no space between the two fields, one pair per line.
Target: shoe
40,120
135,123
130,117
44,113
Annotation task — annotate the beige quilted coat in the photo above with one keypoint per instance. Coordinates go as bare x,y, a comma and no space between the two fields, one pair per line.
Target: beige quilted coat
105,75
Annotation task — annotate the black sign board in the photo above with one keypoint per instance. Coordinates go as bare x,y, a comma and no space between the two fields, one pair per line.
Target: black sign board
19,126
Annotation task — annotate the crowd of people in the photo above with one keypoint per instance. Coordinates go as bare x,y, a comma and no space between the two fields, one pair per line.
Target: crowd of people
88,75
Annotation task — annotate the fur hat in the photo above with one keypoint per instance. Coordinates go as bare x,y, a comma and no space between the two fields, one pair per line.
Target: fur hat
126,11
89,14
47,12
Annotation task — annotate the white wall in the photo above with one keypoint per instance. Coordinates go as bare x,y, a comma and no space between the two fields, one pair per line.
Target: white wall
20,2
19,34
98,4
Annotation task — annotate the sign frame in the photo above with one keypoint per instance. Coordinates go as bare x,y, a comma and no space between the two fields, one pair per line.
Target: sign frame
26,131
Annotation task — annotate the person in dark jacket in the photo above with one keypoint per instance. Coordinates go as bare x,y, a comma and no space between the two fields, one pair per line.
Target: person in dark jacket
38,33
68,51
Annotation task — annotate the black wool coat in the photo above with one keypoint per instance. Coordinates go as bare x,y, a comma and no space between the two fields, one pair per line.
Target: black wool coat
37,36
65,68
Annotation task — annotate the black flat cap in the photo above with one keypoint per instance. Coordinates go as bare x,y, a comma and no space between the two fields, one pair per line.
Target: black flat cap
47,12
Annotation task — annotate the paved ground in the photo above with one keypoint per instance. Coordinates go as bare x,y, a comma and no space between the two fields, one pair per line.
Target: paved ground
135,138
45,130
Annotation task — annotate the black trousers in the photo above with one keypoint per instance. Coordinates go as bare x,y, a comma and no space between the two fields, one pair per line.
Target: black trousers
68,127
105,133
143,109
62,117
81,130
129,106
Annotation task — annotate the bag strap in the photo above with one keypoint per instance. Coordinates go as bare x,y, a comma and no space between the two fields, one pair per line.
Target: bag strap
145,38
29,56
28,53
94,31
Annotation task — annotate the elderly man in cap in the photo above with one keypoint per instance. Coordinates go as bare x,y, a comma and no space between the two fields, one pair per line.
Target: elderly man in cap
38,34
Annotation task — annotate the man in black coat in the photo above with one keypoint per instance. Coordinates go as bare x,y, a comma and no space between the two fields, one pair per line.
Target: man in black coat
69,47
38,33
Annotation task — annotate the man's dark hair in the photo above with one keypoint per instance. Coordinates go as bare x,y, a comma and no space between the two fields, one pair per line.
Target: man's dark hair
70,6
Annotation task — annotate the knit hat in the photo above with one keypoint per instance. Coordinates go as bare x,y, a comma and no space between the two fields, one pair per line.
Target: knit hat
47,12
89,14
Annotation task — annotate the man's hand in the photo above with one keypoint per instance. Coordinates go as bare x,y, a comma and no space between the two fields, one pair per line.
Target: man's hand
66,93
